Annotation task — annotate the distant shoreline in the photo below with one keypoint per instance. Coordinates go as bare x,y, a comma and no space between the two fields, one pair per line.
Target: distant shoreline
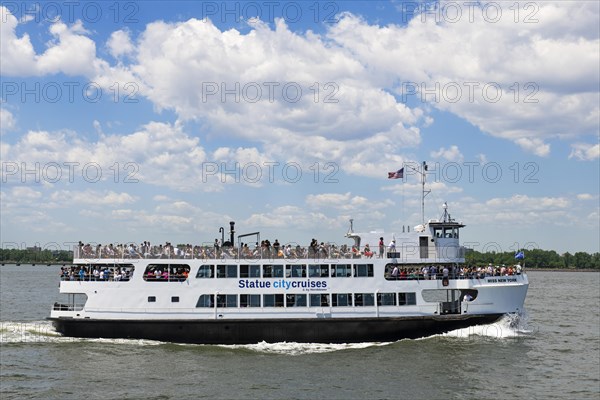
563,269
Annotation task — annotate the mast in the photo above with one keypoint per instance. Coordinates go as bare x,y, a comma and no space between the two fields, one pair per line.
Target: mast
423,191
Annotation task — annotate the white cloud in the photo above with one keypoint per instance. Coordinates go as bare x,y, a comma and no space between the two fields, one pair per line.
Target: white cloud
586,196
119,44
70,51
546,75
340,116
91,198
451,154
535,146
24,193
585,152
7,121
159,153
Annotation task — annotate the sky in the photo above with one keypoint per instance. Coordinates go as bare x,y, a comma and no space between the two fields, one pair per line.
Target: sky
162,121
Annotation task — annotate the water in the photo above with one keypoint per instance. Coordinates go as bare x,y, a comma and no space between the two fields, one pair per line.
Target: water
551,352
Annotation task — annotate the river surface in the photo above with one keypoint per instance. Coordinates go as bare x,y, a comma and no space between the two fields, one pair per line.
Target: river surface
550,352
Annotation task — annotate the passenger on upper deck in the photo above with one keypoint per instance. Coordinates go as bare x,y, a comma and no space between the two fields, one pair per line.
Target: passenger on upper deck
368,253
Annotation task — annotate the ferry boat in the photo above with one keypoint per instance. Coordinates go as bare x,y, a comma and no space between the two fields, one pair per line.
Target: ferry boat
380,287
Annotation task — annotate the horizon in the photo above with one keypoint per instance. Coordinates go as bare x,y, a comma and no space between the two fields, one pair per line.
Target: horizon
163,121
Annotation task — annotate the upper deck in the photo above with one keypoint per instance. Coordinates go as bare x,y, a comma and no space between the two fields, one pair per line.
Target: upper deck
404,252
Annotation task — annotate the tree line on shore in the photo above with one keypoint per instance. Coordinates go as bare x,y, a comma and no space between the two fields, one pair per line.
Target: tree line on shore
35,255
535,258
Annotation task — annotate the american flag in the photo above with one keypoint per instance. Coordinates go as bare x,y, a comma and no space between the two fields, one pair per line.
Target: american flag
396,175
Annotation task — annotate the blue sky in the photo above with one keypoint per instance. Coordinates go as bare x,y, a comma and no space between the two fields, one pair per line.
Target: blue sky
163,121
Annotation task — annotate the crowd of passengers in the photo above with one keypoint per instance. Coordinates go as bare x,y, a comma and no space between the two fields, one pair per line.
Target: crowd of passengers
397,271
95,273
166,273
265,249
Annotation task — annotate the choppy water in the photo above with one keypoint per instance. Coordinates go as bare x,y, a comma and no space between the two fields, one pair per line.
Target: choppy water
551,352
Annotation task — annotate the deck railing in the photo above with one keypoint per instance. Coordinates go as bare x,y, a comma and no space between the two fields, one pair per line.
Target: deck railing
328,251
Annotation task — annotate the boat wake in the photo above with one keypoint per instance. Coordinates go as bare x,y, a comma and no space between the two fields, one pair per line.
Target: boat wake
44,332
508,327
295,349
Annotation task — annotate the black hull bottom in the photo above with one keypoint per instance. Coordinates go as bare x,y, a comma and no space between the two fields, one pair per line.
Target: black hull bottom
332,330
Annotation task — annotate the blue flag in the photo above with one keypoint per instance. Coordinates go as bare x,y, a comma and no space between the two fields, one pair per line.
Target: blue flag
520,255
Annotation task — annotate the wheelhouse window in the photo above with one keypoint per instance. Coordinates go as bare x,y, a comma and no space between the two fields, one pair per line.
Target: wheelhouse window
295,300
227,271
295,271
341,300
249,300
227,300
273,300
206,300
249,271
151,299
318,270
364,299
361,270
166,272
341,271
407,299
174,299
386,299
205,271
319,300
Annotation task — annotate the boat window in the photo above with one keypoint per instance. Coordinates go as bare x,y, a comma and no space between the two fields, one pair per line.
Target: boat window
226,271
295,300
341,299
272,271
364,299
97,272
341,271
205,271
363,270
151,299
318,270
166,272
250,300
295,271
386,299
407,299
249,271
440,295
319,300
227,300
206,300
273,300
174,299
